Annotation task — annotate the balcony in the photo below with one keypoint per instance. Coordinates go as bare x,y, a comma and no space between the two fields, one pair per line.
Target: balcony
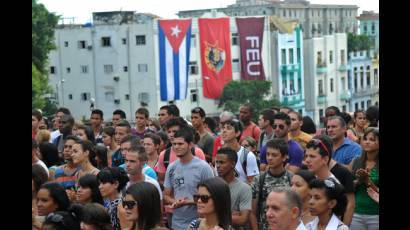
342,68
321,68
292,100
289,68
321,99
345,95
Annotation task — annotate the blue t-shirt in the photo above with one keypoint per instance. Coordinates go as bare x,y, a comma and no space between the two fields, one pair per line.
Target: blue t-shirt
146,170
347,152
295,154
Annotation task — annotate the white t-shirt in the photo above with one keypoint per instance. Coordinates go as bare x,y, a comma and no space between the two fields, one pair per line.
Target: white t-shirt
251,165
41,163
149,180
54,135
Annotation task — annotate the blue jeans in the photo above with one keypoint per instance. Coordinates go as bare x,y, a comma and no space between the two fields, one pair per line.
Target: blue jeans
364,222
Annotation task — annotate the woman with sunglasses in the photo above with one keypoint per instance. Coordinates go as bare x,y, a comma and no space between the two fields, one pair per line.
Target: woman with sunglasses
88,191
328,200
365,168
142,206
300,184
112,181
213,201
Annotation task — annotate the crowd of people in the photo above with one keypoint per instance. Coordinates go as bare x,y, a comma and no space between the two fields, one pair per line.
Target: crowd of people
165,172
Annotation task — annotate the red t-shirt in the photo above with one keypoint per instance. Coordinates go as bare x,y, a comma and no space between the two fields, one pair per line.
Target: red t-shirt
252,130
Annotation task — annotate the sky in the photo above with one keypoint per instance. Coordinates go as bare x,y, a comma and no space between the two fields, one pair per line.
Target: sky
82,10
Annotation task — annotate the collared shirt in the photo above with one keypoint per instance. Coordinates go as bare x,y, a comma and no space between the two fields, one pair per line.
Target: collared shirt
334,224
347,152
301,226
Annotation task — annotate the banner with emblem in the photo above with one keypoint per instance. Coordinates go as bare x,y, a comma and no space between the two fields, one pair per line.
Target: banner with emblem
174,43
250,37
215,39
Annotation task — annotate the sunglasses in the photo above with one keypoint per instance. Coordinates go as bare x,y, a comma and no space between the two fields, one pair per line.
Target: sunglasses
128,204
55,218
204,198
280,126
318,142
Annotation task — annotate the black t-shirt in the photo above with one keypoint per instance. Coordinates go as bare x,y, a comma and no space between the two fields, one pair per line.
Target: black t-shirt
344,176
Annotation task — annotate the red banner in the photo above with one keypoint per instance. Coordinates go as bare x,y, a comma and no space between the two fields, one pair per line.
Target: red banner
250,37
215,39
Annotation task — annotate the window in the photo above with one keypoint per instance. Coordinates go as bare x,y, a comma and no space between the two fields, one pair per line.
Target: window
313,28
235,39
125,68
319,28
344,108
70,96
362,104
85,96
84,68
356,106
124,41
193,67
142,67
194,95
321,115
109,96
331,85
127,97
355,81
143,97
283,56
376,77
105,41
373,28
284,13
82,44
68,70
66,44
193,40
365,28
331,56
291,56
343,82
108,69
368,76
140,39
52,69
319,58
369,103
330,28
235,65
342,56
361,80
298,55
321,93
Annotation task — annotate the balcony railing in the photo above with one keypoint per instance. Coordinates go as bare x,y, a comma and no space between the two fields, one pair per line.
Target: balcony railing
289,68
342,68
321,68
321,99
292,100
345,95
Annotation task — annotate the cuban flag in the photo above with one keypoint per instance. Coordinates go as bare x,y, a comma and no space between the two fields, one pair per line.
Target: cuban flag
174,38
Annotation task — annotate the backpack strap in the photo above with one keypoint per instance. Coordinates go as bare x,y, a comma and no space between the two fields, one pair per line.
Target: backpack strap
261,140
193,151
166,157
244,160
261,183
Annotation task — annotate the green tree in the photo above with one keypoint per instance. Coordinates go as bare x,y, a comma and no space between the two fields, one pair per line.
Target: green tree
358,42
257,93
42,37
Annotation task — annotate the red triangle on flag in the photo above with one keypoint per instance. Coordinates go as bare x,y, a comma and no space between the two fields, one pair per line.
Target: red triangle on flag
175,31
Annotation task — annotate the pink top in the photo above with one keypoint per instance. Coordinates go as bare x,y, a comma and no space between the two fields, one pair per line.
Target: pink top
160,167
252,130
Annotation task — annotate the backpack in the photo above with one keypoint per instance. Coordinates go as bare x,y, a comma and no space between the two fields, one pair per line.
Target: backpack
168,153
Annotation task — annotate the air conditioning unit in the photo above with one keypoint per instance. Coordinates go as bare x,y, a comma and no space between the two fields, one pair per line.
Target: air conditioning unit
90,47
117,101
116,78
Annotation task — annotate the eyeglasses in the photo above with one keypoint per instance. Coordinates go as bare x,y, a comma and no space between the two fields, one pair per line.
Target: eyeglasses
245,146
329,183
319,142
55,218
280,126
204,198
128,203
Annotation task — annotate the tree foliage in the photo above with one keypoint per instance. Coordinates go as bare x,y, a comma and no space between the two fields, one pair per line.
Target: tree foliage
357,42
257,93
42,37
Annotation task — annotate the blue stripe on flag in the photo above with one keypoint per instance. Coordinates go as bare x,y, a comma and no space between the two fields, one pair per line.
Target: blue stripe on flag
162,64
188,48
176,75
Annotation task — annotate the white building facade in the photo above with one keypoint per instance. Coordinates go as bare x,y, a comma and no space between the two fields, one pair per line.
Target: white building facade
326,80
